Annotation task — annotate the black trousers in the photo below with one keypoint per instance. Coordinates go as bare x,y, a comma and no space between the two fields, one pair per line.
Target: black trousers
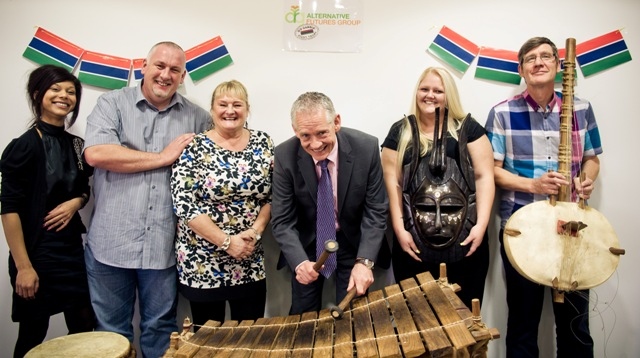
470,272
32,331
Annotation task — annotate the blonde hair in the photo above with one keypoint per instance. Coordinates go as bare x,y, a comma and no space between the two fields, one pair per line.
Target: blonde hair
233,88
455,116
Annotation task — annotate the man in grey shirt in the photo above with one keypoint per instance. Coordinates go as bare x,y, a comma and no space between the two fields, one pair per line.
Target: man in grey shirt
133,137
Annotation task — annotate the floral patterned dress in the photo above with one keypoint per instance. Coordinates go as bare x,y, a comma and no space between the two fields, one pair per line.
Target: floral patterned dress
230,187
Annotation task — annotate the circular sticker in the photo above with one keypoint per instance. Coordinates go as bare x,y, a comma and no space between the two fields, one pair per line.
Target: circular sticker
307,32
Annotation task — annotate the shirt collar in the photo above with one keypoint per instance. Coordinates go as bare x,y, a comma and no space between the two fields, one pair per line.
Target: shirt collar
333,156
176,99
536,107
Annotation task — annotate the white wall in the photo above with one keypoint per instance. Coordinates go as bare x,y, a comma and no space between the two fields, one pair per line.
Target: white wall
371,90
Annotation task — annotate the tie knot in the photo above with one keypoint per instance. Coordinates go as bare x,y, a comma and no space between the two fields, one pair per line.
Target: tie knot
324,163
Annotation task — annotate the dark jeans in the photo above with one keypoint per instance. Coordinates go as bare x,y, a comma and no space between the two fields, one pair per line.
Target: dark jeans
113,295
525,299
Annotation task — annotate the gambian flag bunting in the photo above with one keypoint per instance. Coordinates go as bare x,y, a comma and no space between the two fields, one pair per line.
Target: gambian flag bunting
48,49
498,65
453,49
137,68
561,53
207,58
601,53
104,71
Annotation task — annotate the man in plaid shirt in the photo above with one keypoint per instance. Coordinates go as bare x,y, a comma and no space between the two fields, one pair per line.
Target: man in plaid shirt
525,134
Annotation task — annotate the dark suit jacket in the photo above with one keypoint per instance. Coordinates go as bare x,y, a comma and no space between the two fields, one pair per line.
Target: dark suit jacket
362,198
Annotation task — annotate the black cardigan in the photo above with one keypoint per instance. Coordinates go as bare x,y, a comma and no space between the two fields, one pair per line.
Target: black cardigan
24,186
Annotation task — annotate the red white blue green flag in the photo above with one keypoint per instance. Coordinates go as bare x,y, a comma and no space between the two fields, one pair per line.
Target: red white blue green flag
561,53
48,49
602,53
498,65
137,68
207,58
104,71
454,49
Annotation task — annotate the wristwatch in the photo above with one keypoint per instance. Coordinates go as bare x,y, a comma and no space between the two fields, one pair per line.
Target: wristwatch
368,263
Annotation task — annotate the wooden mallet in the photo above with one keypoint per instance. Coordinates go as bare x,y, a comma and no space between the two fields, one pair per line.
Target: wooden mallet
338,311
330,247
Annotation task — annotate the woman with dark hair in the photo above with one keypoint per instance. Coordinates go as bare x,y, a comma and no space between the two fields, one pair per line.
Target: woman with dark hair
45,181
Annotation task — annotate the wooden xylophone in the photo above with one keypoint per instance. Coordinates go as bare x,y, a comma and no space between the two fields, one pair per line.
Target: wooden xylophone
418,317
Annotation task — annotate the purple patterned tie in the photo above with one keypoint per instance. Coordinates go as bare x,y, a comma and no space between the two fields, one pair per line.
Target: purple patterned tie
325,220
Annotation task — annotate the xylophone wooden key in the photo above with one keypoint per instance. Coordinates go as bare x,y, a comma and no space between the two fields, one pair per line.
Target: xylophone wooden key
215,339
303,343
323,345
343,341
453,324
247,341
226,347
386,338
189,350
363,329
264,342
409,337
426,321
284,341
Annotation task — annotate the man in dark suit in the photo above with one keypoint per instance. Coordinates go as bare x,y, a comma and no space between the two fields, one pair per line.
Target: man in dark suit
359,199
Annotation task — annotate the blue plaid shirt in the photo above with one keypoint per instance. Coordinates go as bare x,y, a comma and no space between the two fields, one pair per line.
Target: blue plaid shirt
525,137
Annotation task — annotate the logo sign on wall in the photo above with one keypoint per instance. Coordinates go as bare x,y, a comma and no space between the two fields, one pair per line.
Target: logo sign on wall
322,26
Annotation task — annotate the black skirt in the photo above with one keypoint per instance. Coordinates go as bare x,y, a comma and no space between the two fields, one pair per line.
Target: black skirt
58,259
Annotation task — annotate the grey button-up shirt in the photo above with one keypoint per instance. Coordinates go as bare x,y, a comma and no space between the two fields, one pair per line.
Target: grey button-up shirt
133,224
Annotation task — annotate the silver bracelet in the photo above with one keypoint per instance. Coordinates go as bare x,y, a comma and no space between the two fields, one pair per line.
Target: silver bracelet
226,243
258,236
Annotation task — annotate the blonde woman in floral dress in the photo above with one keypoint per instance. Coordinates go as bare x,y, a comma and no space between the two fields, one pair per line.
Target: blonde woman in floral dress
221,187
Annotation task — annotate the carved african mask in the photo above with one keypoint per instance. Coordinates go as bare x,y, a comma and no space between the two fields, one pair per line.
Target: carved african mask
439,211
439,198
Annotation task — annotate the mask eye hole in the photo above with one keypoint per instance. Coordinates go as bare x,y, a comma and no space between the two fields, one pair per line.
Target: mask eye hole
450,209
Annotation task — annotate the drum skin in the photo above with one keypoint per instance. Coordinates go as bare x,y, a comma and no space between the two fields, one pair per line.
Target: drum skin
84,345
539,253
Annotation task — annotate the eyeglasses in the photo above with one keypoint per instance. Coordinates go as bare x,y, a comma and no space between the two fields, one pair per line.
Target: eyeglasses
545,57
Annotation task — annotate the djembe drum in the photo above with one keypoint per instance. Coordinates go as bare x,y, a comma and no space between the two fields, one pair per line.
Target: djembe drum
85,345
